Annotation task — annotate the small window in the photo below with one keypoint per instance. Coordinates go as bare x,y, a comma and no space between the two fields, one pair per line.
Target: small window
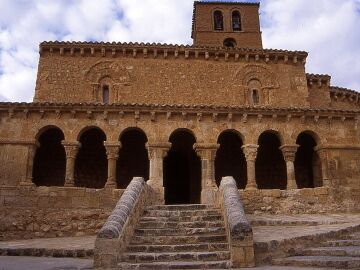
255,96
236,21
218,21
105,94
229,43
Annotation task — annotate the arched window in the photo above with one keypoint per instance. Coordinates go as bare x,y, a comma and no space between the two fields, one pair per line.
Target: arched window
105,93
230,43
218,21
255,96
236,21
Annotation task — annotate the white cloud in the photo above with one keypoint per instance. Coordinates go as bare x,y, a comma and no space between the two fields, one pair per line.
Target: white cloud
327,29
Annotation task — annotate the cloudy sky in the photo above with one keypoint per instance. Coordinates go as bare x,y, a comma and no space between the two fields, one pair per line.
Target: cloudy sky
328,29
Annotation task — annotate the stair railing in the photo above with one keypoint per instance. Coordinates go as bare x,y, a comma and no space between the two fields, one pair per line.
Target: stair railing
117,231
238,227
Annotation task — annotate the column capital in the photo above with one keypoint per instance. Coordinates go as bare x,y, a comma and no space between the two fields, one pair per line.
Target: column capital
206,150
71,148
112,149
157,149
250,151
289,151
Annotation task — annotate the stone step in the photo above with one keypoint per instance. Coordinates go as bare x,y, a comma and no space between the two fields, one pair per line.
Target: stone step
172,224
341,243
215,217
178,239
341,262
175,213
179,231
177,265
219,246
47,252
177,207
140,257
350,251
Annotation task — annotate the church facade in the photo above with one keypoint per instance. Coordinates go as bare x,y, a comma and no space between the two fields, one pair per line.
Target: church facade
182,116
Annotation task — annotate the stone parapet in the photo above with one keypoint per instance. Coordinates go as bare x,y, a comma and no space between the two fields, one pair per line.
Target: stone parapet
118,229
239,229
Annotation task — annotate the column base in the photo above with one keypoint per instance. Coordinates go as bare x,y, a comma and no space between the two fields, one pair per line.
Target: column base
251,187
69,185
291,186
27,184
110,183
208,196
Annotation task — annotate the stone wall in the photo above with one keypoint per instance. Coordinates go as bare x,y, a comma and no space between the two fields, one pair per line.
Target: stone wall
301,201
145,79
53,211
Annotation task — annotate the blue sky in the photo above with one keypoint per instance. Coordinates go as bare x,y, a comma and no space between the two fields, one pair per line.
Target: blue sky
328,29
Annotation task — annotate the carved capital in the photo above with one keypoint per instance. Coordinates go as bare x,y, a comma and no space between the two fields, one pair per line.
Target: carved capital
321,151
71,148
206,150
157,149
250,151
289,151
112,149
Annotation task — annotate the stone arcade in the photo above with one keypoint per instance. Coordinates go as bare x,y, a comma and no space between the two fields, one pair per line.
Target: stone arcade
182,117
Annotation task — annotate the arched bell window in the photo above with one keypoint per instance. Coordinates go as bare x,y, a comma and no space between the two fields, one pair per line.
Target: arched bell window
218,21
105,94
236,21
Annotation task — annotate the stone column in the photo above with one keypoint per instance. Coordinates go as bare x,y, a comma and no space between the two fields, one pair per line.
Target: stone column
324,169
207,153
30,165
157,151
71,150
112,153
250,152
289,152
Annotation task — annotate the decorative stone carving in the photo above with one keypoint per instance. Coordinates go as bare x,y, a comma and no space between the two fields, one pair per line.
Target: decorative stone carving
71,150
289,152
250,152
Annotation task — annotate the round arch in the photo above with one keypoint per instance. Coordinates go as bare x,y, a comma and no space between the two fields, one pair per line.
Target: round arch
230,159
133,158
87,128
91,160
50,159
270,166
307,162
182,169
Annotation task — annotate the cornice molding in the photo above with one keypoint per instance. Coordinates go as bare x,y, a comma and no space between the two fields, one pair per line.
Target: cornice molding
170,51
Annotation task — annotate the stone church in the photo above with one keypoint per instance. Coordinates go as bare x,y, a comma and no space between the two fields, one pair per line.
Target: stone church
181,117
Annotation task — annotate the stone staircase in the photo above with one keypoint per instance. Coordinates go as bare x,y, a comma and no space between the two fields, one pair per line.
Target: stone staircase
178,237
341,253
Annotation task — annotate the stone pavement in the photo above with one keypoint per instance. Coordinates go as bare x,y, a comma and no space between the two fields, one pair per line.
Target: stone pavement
43,263
267,230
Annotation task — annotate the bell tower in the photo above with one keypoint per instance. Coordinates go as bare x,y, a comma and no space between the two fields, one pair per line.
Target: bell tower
226,24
